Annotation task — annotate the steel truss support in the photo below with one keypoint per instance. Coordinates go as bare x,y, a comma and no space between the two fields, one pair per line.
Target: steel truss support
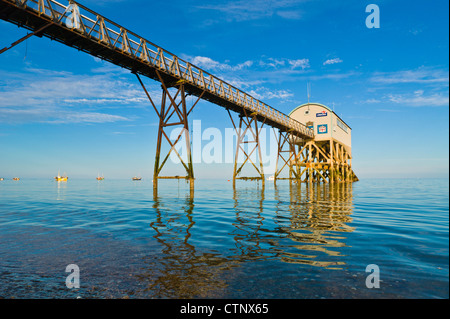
172,112
324,161
26,37
287,155
313,161
248,123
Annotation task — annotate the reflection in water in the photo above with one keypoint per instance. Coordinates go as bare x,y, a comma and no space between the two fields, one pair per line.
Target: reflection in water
61,190
305,226
181,271
316,219
319,215
251,239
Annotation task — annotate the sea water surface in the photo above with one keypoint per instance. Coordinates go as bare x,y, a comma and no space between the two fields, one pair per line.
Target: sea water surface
278,241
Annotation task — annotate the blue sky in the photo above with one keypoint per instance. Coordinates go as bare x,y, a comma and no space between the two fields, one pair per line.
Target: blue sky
61,109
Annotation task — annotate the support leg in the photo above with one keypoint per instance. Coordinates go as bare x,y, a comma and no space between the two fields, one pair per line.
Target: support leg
248,123
172,112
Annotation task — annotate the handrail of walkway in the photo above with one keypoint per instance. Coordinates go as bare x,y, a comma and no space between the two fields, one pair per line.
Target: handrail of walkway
89,24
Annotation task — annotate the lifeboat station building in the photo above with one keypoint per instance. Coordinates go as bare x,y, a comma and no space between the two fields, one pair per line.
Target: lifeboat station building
328,156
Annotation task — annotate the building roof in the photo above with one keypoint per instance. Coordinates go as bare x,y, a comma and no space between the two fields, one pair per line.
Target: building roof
311,103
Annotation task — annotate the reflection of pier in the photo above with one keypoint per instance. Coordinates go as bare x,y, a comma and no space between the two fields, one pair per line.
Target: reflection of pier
181,271
319,217
249,222
301,224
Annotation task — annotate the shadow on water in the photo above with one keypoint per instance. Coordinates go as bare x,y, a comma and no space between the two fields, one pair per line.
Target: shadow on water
296,224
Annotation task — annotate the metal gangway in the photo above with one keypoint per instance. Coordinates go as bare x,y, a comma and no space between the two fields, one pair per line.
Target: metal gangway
79,27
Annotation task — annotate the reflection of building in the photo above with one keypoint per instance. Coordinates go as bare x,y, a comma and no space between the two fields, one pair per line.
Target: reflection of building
301,224
303,228
320,214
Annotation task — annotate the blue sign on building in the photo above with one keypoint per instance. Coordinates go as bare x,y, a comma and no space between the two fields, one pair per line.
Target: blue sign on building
322,129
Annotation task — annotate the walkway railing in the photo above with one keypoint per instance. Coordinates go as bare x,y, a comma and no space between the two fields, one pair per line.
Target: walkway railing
88,24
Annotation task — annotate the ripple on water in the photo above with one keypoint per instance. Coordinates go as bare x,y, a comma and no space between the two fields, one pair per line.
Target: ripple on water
288,241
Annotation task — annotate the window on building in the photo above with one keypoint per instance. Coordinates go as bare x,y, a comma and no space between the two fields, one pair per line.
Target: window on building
342,125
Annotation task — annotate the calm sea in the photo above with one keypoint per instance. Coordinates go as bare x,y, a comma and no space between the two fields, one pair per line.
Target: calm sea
248,241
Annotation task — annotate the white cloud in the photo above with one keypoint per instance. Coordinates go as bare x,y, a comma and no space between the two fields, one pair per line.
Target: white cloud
55,115
211,65
372,100
423,75
35,88
39,95
280,63
243,84
261,71
244,10
332,76
388,110
290,14
253,77
332,61
272,62
263,93
300,63
266,69
419,99
428,87
86,117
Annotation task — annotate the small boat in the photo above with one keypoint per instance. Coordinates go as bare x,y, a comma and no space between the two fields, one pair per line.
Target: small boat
2,179
136,178
99,178
16,179
62,178
271,178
